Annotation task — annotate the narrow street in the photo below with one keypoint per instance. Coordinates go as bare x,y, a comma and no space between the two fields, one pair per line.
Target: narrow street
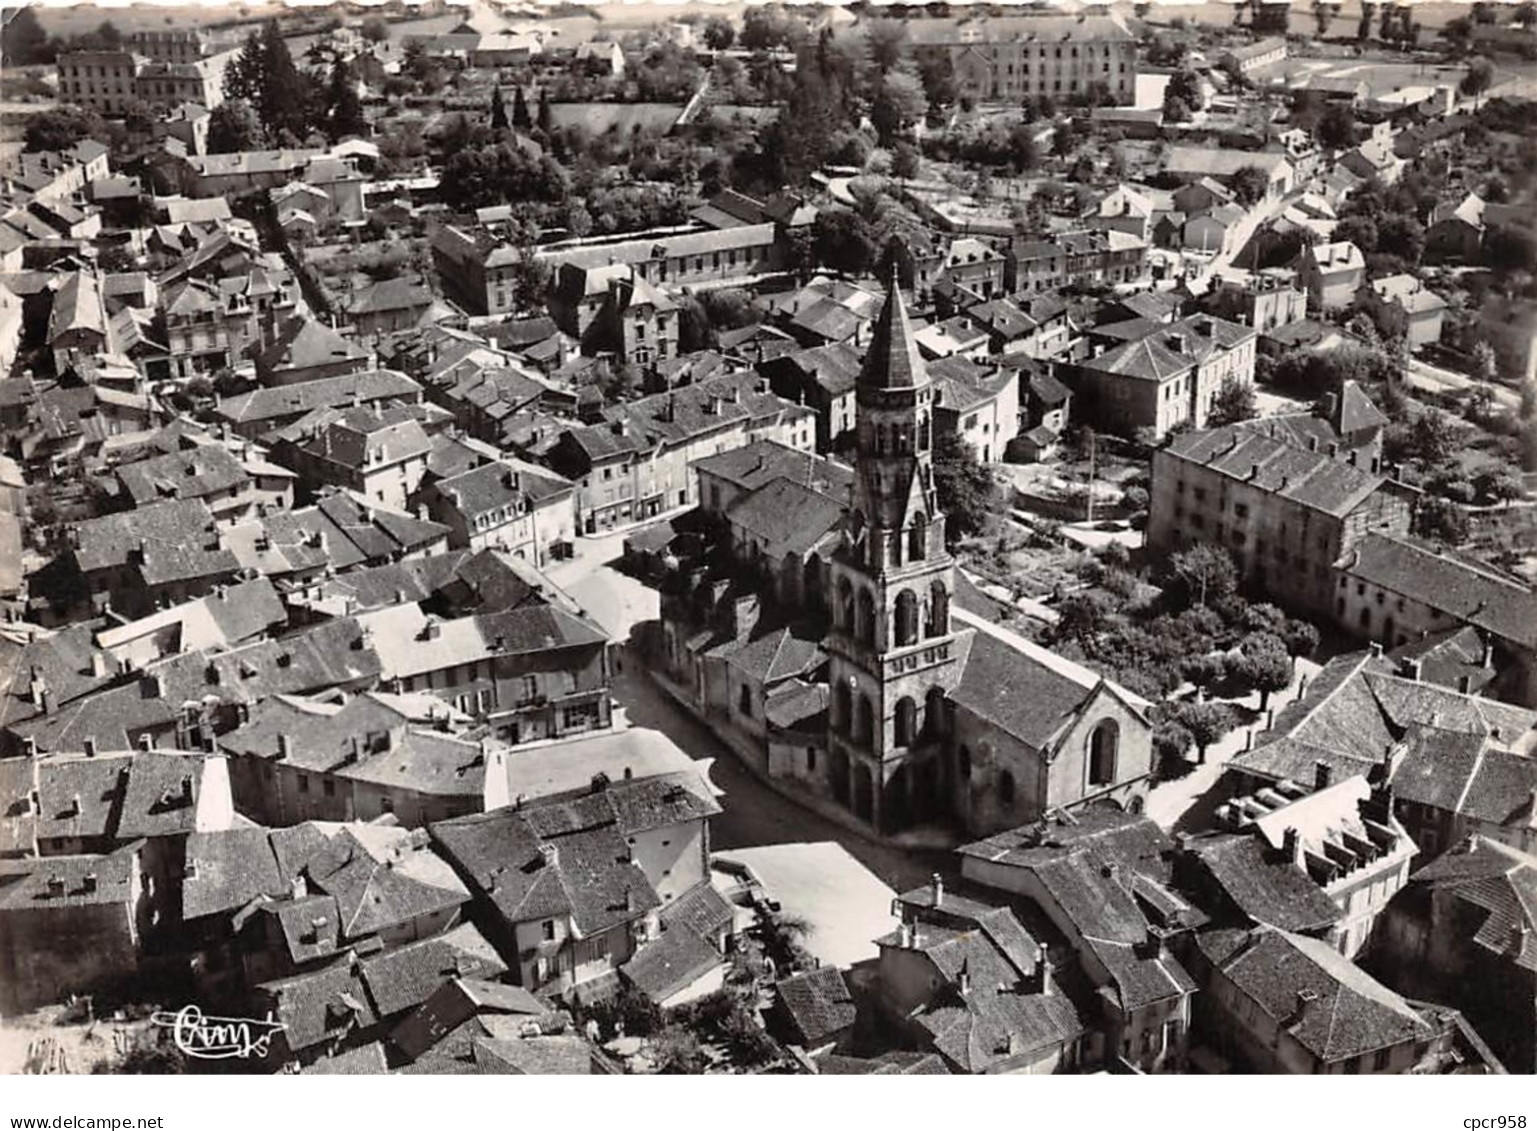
754,814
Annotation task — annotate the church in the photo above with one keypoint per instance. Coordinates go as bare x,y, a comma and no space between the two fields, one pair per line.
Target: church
819,633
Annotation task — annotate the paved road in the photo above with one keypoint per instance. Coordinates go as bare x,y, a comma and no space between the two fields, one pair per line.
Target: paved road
754,814
1180,805
1423,375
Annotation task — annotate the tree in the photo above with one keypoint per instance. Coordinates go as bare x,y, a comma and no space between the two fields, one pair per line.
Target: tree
1205,573
968,494
344,108
23,42
1249,184
1172,741
937,74
546,118
905,161
1497,485
844,241
1480,77
1336,127
1301,638
264,74
887,41
1265,665
1234,403
374,30
233,127
1184,85
719,35
1205,669
899,104
1324,14
499,120
62,128
1440,519
521,118
1207,721
1083,615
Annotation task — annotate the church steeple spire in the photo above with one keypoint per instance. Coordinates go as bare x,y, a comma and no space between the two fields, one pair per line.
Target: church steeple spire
893,360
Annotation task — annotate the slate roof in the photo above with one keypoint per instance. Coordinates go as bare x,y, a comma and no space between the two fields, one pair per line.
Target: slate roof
1350,1013
817,1005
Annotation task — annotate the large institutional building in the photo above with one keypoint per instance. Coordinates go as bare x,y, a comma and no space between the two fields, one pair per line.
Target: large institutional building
846,666
1011,58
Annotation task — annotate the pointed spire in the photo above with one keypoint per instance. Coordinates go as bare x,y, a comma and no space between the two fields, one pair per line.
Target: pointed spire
893,360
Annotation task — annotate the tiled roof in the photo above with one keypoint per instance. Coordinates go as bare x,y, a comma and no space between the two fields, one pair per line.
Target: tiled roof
1030,700
763,461
87,881
1465,590
1310,479
785,517
383,878
327,1003
303,343
1348,1014
402,978
294,401
227,870
986,1030
669,964
176,537
817,1004
702,909
1497,884
587,872
1265,885
207,470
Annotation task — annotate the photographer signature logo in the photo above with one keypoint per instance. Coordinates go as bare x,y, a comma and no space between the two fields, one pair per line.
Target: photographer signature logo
218,1038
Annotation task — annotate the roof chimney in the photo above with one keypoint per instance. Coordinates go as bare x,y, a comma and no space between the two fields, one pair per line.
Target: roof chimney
285,747
1323,776
937,883
1291,844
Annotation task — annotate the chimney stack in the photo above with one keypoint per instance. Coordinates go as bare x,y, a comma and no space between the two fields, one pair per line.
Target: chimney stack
89,746
937,883
1291,844
285,747
1323,776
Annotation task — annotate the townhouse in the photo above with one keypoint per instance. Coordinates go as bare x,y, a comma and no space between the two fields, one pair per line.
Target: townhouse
1285,513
